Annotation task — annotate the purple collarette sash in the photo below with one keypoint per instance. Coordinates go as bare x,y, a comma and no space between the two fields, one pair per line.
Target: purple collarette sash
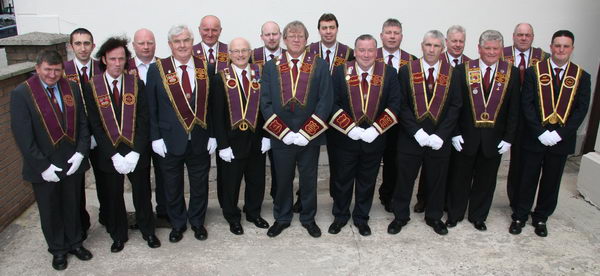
242,116
556,112
72,73
222,56
364,108
187,117
536,55
405,57
444,58
132,67
258,56
340,56
423,106
51,121
485,111
295,90
125,132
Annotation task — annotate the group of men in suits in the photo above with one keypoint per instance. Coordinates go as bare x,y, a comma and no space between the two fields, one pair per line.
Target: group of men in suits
446,115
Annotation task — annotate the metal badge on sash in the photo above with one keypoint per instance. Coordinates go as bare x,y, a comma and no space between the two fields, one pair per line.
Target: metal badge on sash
243,126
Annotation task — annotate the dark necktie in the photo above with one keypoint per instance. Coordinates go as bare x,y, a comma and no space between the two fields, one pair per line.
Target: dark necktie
389,62
246,84
522,67
211,56
272,56
116,94
430,82
84,74
327,57
558,70
455,62
557,82
364,85
185,82
486,82
295,77
55,104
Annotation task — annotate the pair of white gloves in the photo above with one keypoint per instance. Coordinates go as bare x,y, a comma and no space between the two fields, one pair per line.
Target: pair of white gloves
227,153
549,138
125,164
433,141
368,135
49,175
457,142
159,147
295,138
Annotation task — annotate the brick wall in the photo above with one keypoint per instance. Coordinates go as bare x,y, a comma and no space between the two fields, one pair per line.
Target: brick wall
23,53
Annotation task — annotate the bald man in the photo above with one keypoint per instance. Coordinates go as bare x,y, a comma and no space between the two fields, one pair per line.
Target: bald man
210,48
270,34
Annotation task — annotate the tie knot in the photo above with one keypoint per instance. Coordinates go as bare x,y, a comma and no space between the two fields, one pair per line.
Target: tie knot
183,67
365,75
84,68
272,56
210,50
522,55
558,70
51,90
488,69
390,56
244,73
115,82
431,70
328,51
295,61
455,61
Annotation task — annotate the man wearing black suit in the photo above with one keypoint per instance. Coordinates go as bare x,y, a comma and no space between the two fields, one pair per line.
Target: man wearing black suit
555,100
366,104
51,131
117,107
296,99
180,123
486,128
428,115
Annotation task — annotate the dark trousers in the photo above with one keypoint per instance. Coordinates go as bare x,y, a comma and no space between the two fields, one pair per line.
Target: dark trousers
551,167
58,204
355,170
421,193
219,179
472,181
286,159
159,189
389,175
85,217
252,169
116,213
273,190
514,167
197,166
435,172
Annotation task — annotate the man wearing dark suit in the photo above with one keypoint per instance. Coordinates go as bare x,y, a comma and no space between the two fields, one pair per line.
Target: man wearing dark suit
366,104
296,99
428,114
51,131
210,49
486,128
117,107
555,99
180,123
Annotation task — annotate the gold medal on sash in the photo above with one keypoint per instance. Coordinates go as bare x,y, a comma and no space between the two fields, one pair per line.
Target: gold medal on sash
485,116
553,119
243,126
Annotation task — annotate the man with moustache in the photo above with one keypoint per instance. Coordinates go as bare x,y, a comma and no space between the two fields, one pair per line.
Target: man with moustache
296,99
486,128
366,105
428,114
210,49
556,97
180,130
117,107
241,140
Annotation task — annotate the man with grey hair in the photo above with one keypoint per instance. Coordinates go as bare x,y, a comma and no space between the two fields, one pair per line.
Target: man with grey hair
429,110
486,128
180,130
296,99
210,49
455,42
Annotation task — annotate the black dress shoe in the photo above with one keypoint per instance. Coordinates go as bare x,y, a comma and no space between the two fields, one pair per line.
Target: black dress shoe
395,226
236,228
258,222
117,246
363,229
336,227
451,223
276,229
59,262
176,235
200,233
438,226
313,229
516,226
153,241
297,208
419,207
540,229
480,225
81,253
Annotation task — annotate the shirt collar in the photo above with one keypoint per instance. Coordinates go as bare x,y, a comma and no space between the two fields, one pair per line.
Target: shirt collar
386,53
190,63
139,62
518,52
332,48
301,57
359,70
110,79
215,47
239,71
451,57
426,65
80,65
564,67
484,67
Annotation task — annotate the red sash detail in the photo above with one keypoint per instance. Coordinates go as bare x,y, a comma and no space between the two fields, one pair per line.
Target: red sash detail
125,132
72,73
423,106
340,56
485,112
187,117
556,112
364,109
222,56
342,121
296,90
276,127
405,57
50,119
238,113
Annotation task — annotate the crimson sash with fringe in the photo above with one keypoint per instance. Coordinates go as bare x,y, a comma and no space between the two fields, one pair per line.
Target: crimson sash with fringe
425,107
485,111
295,90
242,116
364,104
221,55
551,111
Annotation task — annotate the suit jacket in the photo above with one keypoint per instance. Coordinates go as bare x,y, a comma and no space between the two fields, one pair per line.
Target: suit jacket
533,122
319,100
33,140
444,128
389,98
506,121
105,147
164,123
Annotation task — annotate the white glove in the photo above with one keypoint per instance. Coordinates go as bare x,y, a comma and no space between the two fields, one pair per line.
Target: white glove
422,137
75,162
300,140
555,137
435,142
93,143
546,139
289,138
503,147
226,154
120,163
457,142
159,147
369,135
49,175
265,145
212,145
132,159
355,133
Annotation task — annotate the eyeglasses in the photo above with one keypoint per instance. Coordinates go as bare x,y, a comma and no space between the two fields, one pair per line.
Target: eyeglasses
296,37
239,51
